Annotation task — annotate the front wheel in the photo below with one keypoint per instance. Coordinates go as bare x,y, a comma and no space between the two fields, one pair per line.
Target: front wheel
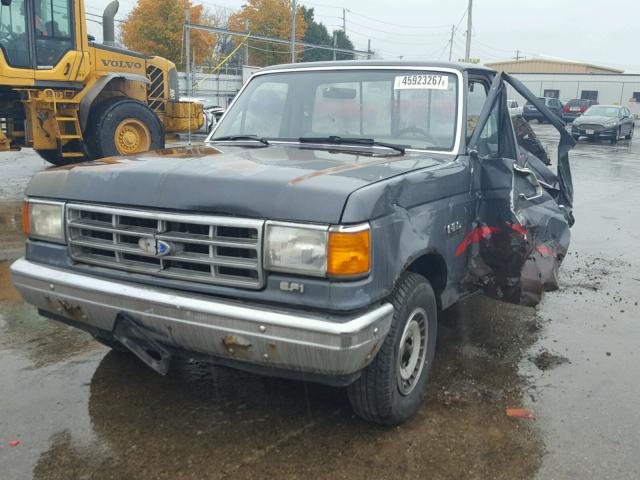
616,136
123,126
56,159
630,135
53,157
390,390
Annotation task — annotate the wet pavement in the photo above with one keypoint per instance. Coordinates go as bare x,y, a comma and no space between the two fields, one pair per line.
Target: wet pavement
81,411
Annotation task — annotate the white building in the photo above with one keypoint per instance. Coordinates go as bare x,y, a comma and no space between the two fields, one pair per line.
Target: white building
606,88
566,80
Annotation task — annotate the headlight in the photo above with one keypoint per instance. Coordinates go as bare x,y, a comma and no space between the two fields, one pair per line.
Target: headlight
610,123
44,220
317,250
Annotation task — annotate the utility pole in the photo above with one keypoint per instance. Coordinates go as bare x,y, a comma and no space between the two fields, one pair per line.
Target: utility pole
246,43
344,21
187,32
369,49
467,55
293,31
453,28
517,55
187,46
335,44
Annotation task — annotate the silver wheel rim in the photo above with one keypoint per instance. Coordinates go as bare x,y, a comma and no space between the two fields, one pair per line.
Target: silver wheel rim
412,350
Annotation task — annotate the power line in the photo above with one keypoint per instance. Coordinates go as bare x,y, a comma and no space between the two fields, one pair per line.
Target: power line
353,12
396,33
422,27
100,16
493,48
462,18
378,39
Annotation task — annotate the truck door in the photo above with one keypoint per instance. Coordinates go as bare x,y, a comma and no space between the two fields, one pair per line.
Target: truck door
521,228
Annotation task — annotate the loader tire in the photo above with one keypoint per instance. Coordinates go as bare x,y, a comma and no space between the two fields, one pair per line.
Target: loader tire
122,126
54,158
391,388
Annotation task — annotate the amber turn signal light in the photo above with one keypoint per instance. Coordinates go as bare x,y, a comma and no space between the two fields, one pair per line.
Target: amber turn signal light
349,252
25,218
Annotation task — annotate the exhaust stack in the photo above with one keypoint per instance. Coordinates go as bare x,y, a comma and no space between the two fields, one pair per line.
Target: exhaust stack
108,25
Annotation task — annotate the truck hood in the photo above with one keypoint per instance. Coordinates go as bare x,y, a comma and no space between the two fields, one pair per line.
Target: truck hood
283,182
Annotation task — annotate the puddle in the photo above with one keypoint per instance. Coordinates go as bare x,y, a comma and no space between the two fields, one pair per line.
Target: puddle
11,236
232,423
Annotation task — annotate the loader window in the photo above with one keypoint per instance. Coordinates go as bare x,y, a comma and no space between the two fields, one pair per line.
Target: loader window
53,29
13,34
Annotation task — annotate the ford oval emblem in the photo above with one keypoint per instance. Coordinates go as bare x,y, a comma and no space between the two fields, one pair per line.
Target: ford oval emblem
163,248
151,246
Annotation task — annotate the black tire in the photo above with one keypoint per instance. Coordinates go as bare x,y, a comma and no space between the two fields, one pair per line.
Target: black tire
105,118
52,157
616,136
376,396
630,136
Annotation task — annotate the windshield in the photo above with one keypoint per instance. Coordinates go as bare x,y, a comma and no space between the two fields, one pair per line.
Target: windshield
13,34
415,109
603,111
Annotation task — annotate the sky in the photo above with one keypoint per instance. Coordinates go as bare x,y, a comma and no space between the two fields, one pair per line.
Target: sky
593,31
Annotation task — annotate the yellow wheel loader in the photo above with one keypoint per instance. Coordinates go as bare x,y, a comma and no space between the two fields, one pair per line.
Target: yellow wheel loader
73,99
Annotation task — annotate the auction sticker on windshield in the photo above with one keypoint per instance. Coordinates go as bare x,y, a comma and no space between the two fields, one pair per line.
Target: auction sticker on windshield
422,81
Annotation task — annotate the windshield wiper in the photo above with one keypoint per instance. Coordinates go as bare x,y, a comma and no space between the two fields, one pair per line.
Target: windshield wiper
336,140
240,137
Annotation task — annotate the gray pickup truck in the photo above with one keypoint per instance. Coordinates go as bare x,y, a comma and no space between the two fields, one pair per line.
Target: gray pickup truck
334,211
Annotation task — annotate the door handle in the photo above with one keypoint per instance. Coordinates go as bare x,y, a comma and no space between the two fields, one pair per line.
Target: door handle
66,69
529,173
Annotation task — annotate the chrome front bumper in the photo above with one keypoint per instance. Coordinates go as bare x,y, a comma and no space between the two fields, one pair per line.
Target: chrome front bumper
308,342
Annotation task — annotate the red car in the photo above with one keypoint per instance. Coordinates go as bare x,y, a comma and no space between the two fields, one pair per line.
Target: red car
576,107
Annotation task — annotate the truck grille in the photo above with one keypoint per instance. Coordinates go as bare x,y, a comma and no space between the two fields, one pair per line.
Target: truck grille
155,89
199,248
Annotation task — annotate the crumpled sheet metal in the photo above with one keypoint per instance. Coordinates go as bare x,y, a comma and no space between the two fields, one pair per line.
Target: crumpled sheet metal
516,244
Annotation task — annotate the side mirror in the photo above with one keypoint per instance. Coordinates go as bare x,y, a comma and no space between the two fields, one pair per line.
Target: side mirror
6,3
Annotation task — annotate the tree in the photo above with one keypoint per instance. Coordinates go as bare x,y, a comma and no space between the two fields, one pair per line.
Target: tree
155,27
317,34
342,41
271,18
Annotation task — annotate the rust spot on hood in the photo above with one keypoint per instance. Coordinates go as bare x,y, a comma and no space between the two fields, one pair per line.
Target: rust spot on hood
348,168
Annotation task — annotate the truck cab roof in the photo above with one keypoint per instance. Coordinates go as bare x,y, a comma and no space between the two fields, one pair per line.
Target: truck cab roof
378,63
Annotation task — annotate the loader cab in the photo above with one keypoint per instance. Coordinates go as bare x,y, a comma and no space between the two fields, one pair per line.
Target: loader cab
40,36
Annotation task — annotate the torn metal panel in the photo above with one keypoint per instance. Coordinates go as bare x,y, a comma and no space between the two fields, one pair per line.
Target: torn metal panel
521,228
